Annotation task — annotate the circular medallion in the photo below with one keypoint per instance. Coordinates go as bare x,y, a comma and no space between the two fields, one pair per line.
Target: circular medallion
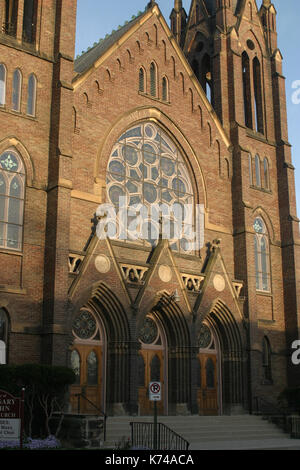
219,283
149,331
204,337
102,264
84,325
165,273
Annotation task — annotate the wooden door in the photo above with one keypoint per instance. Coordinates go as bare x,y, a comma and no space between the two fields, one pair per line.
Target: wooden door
150,369
87,364
207,385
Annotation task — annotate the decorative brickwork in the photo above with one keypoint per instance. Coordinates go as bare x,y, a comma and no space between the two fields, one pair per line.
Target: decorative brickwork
215,91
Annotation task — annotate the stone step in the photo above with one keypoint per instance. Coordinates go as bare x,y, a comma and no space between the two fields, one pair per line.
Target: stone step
211,432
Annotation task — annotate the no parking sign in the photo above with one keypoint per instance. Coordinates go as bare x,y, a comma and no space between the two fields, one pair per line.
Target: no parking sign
155,391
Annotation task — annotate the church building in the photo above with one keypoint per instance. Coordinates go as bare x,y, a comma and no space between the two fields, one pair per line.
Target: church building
188,116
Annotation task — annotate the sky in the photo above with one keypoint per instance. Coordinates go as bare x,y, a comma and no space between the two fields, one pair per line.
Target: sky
96,18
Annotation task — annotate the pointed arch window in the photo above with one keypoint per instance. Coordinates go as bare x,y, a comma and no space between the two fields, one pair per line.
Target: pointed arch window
165,89
92,368
266,174
266,360
3,336
155,369
12,189
247,90
262,256
258,96
11,17
146,167
16,91
257,172
2,85
142,80
29,21
250,169
153,80
31,95
75,365
206,79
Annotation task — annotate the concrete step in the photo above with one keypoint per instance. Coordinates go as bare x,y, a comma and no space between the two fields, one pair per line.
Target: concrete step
210,432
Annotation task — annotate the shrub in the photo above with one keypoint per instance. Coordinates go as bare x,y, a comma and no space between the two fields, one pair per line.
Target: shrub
45,390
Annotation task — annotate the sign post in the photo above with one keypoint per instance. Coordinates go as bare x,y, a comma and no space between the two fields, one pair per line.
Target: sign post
155,396
11,417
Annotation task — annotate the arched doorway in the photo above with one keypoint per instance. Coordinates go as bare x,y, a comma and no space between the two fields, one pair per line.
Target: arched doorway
152,365
87,361
208,372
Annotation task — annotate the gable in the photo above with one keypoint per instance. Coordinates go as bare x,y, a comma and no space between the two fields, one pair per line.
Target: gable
150,31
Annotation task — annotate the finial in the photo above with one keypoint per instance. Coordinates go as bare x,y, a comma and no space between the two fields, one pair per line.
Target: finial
177,5
266,3
150,4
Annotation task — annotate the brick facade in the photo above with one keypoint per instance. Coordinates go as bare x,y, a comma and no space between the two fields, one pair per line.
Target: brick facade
82,109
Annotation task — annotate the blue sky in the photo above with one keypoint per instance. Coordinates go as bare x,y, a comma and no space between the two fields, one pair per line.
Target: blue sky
97,18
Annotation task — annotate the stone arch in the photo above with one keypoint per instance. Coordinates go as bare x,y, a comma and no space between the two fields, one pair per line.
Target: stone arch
259,211
232,349
14,143
177,334
111,314
161,119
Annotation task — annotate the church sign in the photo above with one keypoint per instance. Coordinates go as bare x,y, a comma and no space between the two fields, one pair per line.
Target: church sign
11,414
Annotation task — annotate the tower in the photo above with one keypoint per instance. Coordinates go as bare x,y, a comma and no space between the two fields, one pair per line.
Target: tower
37,50
232,49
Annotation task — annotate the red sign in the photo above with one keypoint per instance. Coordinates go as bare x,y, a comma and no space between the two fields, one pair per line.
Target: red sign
155,391
9,406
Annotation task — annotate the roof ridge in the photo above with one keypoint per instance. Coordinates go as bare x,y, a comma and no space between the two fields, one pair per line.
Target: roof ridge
108,35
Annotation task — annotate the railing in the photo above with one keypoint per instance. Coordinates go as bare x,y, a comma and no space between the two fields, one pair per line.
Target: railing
142,437
100,412
267,408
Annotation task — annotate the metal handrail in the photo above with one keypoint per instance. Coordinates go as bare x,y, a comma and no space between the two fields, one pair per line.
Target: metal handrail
142,436
79,395
268,408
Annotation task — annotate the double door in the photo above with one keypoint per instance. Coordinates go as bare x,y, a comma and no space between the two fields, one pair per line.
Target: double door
207,385
150,369
87,365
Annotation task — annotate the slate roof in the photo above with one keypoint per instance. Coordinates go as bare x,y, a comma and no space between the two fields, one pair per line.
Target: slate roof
86,60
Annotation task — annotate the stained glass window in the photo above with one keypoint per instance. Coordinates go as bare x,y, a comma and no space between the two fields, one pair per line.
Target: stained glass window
92,369
147,168
262,256
75,365
12,188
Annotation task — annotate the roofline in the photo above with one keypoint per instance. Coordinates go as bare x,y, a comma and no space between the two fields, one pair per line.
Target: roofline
80,78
